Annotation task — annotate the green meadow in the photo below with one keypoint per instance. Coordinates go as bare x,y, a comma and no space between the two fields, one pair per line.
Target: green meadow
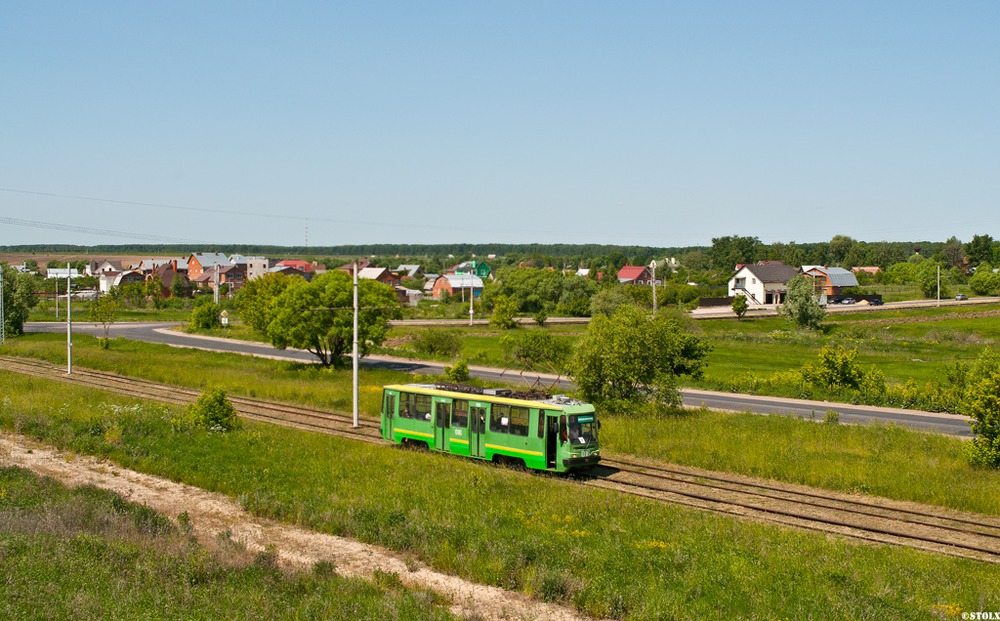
89,554
605,554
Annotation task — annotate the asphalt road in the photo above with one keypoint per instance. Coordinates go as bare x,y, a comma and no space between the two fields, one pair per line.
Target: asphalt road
163,333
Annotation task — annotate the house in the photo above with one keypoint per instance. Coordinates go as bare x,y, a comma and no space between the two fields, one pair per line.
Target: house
762,283
201,261
96,268
62,272
409,296
109,280
410,271
635,275
228,274
832,280
255,267
304,267
457,285
382,274
349,267
168,274
868,269
479,269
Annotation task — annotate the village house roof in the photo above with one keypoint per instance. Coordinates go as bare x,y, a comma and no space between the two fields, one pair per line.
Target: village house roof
208,259
631,273
772,271
838,276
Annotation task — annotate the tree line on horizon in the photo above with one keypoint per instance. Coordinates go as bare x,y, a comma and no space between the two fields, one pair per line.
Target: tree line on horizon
723,255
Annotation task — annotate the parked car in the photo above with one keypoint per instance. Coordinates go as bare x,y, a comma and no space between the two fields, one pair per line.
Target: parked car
847,301
876,302
961,296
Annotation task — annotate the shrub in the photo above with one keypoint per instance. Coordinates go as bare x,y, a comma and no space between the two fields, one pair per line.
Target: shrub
504,309
458,373
205,316
437,342
212,411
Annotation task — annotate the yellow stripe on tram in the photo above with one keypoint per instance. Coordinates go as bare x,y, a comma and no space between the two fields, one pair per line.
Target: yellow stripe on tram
457,441
497,447
416,434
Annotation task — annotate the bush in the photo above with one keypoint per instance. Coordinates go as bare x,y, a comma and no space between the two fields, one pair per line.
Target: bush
437,342
212,411
504,309
458,373
205,316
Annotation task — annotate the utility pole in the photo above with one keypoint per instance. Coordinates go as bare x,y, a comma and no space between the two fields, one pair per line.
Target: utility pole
3,318
939,285
69,323
354,355
216,280
652,264
472,292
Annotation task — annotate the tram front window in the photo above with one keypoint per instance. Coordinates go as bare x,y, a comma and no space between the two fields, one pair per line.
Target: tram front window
582,429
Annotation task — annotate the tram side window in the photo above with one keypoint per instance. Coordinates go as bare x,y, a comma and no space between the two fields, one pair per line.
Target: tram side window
422,407
500,418
541,423
460,413
407,405
519,421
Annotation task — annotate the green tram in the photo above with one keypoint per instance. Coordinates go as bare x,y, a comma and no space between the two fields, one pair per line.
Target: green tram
544,432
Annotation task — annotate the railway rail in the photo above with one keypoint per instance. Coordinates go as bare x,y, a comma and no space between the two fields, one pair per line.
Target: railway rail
866,518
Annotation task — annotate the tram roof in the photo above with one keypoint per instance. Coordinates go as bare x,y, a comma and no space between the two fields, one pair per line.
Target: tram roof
558,402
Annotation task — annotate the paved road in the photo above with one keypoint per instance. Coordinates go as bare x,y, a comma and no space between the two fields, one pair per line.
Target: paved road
165,334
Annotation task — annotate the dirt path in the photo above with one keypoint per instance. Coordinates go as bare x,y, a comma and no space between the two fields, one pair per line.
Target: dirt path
212,514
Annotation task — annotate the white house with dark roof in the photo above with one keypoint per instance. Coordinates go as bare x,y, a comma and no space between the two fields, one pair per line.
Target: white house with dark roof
764,283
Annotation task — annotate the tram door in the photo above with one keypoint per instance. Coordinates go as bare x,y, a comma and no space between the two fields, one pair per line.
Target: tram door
442,423
551,437
477,430
390,414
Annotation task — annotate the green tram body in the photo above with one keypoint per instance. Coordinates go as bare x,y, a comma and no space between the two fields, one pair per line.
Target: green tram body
558,434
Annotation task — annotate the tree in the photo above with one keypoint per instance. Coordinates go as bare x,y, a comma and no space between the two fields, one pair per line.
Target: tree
800,304
608,300
623,357
985,281
180,287
18,299
504,309
740,306
727,252
317,316
981,249
205,316
953,253
104,310
535,349
255,302
982,404
927,279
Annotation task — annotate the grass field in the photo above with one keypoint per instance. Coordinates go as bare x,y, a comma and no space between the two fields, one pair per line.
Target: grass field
848,458
89,554
606,554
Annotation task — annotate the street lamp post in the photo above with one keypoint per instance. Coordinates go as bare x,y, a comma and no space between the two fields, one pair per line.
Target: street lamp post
652,265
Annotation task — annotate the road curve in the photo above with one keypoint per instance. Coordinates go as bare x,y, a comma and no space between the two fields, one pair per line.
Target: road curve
164,333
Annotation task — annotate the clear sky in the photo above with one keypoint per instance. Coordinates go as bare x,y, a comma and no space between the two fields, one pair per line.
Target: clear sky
654,123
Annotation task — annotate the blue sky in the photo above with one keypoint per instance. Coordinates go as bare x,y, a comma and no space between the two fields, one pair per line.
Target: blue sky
648,123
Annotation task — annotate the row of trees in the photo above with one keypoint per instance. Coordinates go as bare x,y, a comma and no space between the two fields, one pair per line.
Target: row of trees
318,315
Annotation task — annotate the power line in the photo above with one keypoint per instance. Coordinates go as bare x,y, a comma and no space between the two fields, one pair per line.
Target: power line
52,226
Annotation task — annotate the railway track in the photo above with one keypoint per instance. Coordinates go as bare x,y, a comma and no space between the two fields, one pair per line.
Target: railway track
254,409
866,518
